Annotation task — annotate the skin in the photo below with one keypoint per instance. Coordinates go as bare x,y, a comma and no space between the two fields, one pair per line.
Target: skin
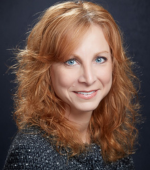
89,68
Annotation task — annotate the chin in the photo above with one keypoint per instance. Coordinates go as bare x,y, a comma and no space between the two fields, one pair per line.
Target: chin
87,107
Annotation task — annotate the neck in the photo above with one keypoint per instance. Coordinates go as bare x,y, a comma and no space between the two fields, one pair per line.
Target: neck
81,121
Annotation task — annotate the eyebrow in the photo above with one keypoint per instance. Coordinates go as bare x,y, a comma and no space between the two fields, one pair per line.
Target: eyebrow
98,53
101,52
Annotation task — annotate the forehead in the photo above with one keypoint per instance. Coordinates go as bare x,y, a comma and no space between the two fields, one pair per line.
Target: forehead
92,41
80,36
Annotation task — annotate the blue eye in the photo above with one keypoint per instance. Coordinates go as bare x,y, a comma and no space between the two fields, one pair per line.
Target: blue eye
71,62
100,60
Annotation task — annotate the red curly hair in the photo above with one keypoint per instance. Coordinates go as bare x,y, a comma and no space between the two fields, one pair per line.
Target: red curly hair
53,38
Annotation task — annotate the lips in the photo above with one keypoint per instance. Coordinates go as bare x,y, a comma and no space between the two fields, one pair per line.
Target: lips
86,94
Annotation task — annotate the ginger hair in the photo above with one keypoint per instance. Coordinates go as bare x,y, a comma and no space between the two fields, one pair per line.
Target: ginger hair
52,39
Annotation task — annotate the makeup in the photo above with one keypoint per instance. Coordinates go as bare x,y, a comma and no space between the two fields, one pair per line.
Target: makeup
86,94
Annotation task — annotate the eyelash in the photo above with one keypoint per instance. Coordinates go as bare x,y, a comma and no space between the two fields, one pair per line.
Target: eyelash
103,58
74,60
69,61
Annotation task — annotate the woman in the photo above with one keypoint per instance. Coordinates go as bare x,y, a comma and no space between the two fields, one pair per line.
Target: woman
76,99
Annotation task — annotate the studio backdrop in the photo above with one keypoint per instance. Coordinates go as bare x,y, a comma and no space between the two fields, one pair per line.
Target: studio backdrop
17,17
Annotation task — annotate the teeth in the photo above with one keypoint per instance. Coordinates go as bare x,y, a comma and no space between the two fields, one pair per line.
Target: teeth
86,93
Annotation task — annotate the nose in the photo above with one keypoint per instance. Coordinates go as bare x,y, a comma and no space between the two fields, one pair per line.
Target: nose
88,75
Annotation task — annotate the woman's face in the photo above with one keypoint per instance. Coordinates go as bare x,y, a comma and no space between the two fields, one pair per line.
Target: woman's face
86,77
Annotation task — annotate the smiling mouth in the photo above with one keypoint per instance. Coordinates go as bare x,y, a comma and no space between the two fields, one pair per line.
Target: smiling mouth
86,93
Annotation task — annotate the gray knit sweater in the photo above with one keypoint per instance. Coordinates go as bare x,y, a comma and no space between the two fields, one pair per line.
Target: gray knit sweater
30,150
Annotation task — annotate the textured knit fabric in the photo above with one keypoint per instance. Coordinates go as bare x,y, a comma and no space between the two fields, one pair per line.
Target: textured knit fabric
30,150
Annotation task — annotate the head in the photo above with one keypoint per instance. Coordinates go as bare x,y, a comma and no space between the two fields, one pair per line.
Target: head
65,31
61,31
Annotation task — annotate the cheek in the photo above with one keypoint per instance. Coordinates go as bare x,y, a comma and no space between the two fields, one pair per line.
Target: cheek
62,79
105,76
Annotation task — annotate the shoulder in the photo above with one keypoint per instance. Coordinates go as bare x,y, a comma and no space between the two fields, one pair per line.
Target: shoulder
125,163
30,138
29,149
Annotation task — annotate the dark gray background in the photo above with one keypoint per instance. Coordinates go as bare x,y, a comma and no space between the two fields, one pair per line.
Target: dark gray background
133,17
